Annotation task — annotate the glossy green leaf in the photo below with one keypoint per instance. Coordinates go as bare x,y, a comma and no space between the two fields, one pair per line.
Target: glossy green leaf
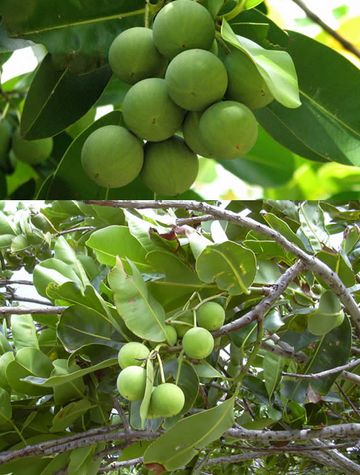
71,390
24,331
276,67
272,365
229,264
327,126
115,241
142,314
283,228
182,442
5,360
268,164
338,264
57,99
312,222
69,414
205,370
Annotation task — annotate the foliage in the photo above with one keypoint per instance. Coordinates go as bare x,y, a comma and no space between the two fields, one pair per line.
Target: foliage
119,275
297,147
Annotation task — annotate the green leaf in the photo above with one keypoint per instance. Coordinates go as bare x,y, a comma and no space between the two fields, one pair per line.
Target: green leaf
326,127
145,403
65,253
69,414
24,331
115,241
338,264
28,362
283,228
312,221
276,67
57,99
68,391
259,167
5,407
205,370
5,360
272,365
53,271
57,380
252,4
181,443
229,264
142,314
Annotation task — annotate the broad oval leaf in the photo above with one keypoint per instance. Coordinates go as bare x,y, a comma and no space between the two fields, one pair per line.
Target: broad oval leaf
276,67
327,126
68,415
142,314
181,443
229,264
57,99
24,331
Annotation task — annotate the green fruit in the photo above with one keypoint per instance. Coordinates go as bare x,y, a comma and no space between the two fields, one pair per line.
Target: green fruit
5,139
192,136
246,84
171,335
133,56
131,383
170,167
167,400
31,151
149,112
229,129
132,354
210,315
198,343
182,25
112,156
196,79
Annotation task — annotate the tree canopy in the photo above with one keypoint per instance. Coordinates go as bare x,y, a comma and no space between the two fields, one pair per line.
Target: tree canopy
277,393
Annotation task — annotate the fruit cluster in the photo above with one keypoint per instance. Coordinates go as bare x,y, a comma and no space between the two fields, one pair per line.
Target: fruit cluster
188,98
168,399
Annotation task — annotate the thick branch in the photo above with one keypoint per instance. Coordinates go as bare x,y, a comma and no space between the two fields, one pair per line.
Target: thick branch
316,19
48,310
311,262
264,306
323,374
339,431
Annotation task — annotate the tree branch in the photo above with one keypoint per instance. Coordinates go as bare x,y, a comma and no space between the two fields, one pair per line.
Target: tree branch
48,310
4,282
118,465
264,306
311,262
339,431
316,19
323,374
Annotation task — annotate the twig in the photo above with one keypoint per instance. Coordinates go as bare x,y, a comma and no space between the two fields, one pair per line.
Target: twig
346,397
264,306
316,19
48,310
351,377
76,230
323,374
311,262
339,431
18,298
4,283
122,415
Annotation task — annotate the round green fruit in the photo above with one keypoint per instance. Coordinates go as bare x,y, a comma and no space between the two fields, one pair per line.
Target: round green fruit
170,167
171,335
31,151
192,136
132,354
210,315
167,400
246,84
112,156
131,383
149,112
320,324
182,25
198,343
133,56
196,79
229,129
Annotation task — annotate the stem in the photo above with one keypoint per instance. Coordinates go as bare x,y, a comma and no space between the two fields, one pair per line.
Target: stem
162,375
180,363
